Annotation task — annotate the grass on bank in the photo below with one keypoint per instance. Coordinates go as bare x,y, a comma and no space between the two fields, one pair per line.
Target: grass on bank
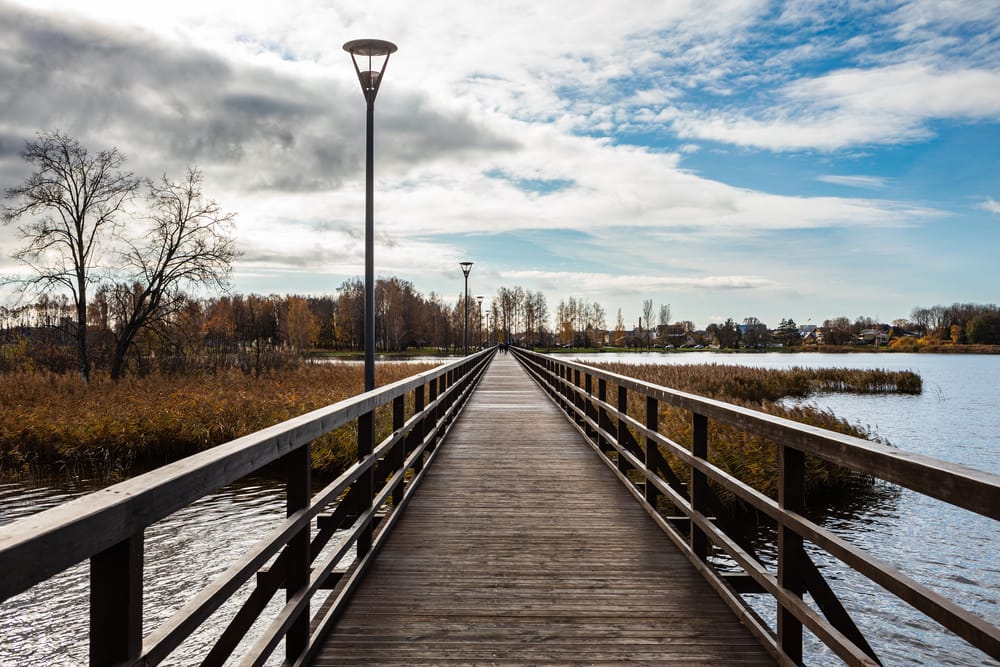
52,424
754,459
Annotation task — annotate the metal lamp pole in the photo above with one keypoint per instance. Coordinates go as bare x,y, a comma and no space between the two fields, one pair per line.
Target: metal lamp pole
370,80
466,268
479,300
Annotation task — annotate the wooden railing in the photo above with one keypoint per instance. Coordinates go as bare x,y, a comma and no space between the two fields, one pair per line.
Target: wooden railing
598,402
107,526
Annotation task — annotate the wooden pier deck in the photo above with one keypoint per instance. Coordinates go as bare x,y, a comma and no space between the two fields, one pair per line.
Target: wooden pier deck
521,547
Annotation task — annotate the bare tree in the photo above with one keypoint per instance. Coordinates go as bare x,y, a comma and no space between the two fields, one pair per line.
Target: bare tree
189,244
647,314
69,200
664,318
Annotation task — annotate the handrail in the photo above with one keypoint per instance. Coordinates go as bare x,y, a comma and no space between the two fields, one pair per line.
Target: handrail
107,526
635,451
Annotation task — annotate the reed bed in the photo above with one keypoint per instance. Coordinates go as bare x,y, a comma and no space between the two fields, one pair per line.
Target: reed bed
52,425
750,458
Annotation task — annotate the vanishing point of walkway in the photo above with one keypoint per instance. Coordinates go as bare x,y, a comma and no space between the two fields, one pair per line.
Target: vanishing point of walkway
521,547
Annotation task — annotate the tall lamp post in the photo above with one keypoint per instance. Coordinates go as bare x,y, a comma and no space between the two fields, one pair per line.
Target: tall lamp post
371,80
479,300
466,268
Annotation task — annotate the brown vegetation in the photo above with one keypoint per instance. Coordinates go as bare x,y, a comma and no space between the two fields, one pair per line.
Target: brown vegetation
53,424
751,458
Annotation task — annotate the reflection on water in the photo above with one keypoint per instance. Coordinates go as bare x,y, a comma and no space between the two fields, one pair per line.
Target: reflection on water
182,554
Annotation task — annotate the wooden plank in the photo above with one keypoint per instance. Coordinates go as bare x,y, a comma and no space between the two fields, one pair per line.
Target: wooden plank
521,547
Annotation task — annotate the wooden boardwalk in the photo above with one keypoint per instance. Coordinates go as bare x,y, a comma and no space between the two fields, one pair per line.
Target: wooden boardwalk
521,547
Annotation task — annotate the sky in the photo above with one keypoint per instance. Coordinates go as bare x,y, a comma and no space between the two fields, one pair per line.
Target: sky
731,158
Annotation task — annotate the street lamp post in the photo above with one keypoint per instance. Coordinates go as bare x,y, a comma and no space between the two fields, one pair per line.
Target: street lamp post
371,80
479,338
466,268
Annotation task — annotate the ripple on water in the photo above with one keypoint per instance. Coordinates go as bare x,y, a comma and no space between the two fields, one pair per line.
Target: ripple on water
183,553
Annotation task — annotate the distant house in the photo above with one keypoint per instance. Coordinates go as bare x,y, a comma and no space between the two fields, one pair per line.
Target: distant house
877,336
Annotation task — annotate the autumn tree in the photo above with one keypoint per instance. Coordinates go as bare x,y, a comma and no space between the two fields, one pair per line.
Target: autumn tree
188,243
70,202
350,313
837,331
299,325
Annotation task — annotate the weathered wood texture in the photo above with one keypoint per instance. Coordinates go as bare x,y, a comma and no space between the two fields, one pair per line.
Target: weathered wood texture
521,547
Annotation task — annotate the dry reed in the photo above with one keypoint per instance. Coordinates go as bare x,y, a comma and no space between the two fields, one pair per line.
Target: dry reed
52,424
754,459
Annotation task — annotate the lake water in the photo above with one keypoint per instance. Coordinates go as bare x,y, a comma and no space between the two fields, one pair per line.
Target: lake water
183,553
955,418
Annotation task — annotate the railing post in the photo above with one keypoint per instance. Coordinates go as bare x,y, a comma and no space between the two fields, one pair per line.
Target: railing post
365,482
298,495
560,389
399,451
791,553
116,602
623,433
435,384
577,399
651,451
588,385
566,375
699,483
602,414
420,431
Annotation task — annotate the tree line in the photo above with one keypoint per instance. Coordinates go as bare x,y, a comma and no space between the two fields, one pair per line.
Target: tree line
254,332
112,260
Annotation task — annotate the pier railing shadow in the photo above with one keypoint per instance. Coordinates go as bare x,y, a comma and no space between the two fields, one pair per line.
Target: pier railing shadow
358,507
598,402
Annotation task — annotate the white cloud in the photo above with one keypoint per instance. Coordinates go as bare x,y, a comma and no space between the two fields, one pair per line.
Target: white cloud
869,182
888,105
991,205
908,91
263,98
593,285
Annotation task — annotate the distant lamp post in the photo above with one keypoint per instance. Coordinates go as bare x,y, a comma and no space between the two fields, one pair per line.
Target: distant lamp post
370,79
466,268
479,300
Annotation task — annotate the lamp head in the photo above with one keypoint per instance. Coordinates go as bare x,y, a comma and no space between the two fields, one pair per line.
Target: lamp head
466,267
370,77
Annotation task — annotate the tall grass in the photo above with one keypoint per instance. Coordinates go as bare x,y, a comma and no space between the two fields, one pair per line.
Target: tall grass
751,458
52,424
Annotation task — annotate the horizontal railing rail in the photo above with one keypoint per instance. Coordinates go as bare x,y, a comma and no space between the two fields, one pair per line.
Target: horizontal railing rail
637,452
360,506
